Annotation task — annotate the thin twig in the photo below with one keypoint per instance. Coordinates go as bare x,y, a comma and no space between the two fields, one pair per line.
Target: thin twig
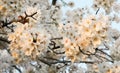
4,40
97,11
17,68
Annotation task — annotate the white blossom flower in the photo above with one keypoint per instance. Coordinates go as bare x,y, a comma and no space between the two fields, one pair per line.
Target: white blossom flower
116,7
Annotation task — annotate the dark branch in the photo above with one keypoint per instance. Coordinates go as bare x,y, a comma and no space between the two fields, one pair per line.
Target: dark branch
53,44
17,68
58,52
97,11
57,38
26,15
25,19
49,61
98,54
6,24
4,40
54,2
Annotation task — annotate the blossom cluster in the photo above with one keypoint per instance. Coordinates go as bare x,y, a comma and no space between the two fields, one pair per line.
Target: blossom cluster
26,40
11,8
38,36
105,4
76,15
86,35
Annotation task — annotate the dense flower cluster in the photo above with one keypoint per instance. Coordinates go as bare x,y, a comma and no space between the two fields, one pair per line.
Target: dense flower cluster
26,40
88,35
7,8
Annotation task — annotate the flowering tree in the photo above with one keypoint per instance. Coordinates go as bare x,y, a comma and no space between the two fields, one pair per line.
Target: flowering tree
36,37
